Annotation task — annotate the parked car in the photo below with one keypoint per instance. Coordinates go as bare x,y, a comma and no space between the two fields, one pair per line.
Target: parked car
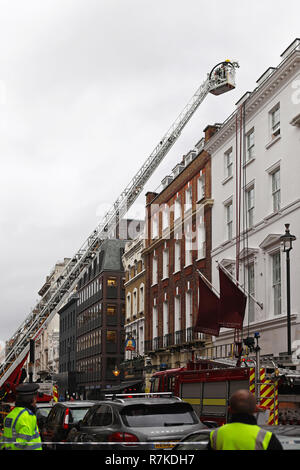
43,409
289,436
60,420
135,423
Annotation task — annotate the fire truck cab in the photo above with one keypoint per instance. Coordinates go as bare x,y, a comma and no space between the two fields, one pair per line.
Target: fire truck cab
207,390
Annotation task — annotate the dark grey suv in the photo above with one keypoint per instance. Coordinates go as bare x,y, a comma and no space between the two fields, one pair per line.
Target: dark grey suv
135,423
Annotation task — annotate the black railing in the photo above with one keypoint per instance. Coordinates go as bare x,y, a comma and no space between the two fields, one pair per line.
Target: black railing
179,338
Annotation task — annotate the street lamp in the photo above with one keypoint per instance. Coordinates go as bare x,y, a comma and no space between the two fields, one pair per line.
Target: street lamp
287,241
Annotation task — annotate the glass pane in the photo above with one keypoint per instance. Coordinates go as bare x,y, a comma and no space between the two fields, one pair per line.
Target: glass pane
158,415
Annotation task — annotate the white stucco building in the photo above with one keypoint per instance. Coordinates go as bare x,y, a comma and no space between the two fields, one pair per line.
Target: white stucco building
134,268
260,172
47,344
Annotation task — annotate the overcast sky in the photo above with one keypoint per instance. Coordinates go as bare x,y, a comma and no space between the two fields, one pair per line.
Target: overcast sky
87,89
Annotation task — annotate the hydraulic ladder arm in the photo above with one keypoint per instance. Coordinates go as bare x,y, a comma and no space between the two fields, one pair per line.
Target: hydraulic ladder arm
220,80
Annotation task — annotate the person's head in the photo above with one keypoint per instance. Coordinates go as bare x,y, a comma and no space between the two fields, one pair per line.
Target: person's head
27,394
242,401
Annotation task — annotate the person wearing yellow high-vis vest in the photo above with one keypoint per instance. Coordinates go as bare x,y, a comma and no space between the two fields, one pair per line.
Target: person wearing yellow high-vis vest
242,432
20,430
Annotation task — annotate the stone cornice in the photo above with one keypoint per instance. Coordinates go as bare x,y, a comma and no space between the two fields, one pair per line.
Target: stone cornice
256,100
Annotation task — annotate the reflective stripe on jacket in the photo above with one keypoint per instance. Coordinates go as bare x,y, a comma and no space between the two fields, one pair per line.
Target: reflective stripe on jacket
240,436
21,431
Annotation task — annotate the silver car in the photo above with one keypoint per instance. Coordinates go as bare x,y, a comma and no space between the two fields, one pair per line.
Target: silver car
135,423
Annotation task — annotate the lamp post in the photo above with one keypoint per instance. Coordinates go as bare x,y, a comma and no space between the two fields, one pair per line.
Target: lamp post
287,241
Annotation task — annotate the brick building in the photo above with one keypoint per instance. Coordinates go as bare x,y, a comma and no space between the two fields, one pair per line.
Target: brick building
178,242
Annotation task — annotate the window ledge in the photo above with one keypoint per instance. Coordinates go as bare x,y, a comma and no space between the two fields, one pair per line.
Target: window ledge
249,161
227,242
188,265
227,179
273,214
201,199
275,139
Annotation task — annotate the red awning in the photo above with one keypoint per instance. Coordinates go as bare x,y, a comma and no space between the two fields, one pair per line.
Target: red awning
232,303
208,313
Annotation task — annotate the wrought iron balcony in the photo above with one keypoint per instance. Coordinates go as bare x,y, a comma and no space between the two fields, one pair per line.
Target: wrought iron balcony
174,340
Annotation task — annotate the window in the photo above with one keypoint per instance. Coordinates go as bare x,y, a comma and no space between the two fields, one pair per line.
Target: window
141,340
177,256
111,336
251,290
275,121
188,248
250,206
154,322
134,302
201,241
177,209
165,263
177,313
111,310
165,217
229,221
155,226
141,298
228,164
106,415
276,283
276,190
250,145
188,309
201,187
154,270
165,319
153,416
188,199
128,306
112,282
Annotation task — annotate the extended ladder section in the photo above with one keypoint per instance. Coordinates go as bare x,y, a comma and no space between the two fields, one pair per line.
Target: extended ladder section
220,80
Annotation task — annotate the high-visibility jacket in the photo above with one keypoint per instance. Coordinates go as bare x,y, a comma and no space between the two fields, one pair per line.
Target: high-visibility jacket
21,431
240,436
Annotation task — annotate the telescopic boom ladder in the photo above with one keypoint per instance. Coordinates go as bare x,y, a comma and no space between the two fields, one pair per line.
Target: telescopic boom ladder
220,80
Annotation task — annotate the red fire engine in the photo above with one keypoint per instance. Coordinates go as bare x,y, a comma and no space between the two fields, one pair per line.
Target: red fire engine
207,386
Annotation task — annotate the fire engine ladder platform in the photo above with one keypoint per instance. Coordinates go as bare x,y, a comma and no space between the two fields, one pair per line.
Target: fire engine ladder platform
217,82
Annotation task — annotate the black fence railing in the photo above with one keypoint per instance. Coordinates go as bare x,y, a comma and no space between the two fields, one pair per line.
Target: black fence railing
175,339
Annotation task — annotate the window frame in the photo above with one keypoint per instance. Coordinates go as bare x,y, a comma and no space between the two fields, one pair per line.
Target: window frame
228,163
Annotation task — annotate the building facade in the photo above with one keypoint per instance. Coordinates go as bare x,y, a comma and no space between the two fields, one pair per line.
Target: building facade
47,344
178,243
135,280
255,165
100,321
67,348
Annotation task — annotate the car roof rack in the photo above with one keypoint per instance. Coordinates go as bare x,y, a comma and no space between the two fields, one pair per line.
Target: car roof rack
119,396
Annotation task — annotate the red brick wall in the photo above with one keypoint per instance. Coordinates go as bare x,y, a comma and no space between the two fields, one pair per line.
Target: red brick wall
180,279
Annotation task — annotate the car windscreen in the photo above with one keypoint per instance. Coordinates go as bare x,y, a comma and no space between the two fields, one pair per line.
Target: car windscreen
76,414
143,415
